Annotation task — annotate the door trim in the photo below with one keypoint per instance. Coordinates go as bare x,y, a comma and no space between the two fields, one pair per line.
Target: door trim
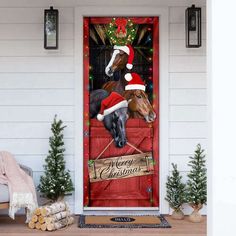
163,15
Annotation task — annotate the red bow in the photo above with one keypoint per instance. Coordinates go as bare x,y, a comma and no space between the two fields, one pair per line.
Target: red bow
121,23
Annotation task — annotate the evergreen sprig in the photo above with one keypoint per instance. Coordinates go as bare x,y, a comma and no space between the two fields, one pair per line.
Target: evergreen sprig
56,181
197,182
175,189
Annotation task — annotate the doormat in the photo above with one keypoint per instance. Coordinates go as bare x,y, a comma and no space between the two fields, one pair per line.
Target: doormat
91,221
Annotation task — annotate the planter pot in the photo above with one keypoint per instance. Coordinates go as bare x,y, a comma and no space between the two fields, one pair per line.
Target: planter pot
177,215
60,199
195,216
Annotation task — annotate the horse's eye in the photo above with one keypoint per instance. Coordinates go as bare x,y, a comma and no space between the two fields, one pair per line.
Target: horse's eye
138,96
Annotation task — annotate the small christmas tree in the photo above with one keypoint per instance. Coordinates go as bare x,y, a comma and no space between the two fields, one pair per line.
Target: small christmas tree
197,183
175,192
56,181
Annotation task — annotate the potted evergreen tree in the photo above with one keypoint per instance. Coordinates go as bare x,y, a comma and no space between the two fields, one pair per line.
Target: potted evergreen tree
197,184
56,181
175,193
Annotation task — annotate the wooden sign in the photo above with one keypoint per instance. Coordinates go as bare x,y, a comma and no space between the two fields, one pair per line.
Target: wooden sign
121,167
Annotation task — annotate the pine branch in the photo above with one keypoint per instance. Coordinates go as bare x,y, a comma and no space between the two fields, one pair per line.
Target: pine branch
56,181
197,182
175,189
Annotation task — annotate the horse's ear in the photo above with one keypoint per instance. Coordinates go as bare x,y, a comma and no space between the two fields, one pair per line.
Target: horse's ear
129,101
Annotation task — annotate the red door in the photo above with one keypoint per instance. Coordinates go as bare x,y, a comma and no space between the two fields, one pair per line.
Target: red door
142,191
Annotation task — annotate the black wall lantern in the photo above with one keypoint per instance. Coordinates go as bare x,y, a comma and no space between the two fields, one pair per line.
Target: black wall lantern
193,27
51,19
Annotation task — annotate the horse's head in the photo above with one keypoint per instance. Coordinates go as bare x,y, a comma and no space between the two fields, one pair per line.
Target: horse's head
118,62
115,124
139,105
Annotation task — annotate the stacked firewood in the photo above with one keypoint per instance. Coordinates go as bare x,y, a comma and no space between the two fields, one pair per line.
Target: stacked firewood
51,217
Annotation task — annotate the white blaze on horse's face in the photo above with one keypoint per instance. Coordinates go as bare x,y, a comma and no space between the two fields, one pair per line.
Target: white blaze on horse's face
108,70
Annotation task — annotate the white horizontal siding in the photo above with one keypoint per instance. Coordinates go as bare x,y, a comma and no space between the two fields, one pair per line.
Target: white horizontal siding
37,97
185,146
187,94
37,80
37,161
177,31
187,130
188,113
32,15
32,146
178,48
177,14
36,64
188,97
187,80
34,113
188,63
32,31
72,3
33,48
36,84
31,130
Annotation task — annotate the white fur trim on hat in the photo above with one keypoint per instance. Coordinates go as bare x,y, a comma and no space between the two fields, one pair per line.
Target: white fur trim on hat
115,107
123,48
100,117
129,66
135,86
128,77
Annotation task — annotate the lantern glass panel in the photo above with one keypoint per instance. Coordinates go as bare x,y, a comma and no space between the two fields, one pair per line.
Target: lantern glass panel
51,29
193,27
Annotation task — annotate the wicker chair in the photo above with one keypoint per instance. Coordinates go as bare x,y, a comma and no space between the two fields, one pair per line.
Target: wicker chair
4,193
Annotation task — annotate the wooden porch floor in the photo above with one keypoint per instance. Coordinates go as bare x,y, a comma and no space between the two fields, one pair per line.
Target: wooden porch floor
179,228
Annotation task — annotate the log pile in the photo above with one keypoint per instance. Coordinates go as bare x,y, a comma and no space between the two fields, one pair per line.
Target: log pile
51,217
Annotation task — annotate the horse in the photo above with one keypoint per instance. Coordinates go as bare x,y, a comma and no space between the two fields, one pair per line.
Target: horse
139,105
114,122
95,99
118,62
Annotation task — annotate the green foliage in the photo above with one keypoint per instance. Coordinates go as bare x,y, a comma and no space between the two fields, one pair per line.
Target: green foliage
197,182
175,189
128,39
56,181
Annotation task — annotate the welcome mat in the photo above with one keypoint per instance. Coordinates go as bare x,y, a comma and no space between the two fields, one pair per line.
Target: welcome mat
89,221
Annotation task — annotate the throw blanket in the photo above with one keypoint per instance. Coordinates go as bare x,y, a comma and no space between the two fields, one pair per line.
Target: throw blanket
21,187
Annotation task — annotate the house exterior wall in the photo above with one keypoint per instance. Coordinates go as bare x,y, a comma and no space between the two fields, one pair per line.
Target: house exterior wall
35,84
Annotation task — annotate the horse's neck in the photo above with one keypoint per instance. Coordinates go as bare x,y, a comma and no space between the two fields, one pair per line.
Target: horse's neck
122,81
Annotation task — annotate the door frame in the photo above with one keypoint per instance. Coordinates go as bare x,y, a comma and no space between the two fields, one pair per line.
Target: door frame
92,11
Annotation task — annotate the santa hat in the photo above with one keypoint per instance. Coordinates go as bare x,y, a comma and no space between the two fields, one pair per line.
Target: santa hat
135,82
128,50
110,104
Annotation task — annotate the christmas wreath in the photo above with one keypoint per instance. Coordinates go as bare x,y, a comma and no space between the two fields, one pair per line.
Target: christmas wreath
121,31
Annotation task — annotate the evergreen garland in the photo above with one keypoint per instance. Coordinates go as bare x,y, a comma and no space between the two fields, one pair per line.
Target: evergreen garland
197,182
56,181
175,189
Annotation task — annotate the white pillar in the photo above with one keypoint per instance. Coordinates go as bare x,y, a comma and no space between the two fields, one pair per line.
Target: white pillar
222,103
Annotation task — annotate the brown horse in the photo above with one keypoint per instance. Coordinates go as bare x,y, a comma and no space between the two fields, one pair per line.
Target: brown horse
118,62
139,105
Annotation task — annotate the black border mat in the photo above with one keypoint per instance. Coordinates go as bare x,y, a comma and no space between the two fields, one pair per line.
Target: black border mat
164,223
